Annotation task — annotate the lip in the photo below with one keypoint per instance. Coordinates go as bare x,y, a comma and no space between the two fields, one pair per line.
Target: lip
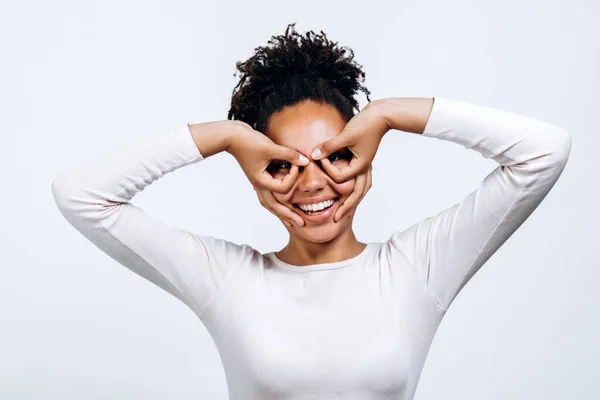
315,200
320,218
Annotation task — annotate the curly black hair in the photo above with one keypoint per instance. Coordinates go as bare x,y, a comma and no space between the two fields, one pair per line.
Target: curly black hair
293,71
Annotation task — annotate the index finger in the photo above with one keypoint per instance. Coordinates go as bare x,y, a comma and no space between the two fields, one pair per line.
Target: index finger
346,172
276,185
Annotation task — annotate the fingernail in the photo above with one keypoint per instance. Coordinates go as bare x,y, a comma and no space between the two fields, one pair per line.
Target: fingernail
316,153
303,159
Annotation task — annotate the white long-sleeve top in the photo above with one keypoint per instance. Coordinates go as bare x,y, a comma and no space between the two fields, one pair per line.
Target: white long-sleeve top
355,329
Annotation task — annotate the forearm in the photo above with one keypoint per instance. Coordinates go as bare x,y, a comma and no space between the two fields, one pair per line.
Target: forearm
87,191
407,114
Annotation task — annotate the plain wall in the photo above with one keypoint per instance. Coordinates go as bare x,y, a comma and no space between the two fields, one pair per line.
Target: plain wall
81,78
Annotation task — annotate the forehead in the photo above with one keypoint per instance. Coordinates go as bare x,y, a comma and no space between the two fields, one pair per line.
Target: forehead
305,125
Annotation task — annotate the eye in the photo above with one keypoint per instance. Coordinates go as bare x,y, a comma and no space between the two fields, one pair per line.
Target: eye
344,154
279,166
334,157
285,165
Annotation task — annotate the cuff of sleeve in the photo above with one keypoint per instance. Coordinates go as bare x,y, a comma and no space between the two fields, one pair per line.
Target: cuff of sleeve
438,116
186,143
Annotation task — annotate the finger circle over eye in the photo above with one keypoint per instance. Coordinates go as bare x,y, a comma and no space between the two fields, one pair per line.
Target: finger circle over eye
289,180
337,174
328,167
273,185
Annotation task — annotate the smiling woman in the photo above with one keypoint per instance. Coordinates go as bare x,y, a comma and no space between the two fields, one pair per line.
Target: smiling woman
327,316
305,86
303,127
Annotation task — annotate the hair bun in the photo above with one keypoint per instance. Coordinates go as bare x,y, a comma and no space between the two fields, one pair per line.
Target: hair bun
293,68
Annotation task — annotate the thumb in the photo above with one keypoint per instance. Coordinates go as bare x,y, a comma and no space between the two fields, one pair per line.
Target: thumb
289,154
328,147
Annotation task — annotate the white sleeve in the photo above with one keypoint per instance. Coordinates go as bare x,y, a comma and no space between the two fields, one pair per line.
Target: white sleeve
447,249
95,199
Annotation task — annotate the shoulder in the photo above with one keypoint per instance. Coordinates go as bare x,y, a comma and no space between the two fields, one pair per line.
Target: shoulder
224,250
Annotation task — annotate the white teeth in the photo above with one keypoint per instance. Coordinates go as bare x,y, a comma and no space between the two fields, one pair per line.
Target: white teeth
316,207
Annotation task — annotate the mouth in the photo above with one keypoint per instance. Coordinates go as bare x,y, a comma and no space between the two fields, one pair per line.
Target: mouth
320,215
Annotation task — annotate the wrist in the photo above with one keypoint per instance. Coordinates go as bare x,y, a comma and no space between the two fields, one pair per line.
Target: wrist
407,114
213,137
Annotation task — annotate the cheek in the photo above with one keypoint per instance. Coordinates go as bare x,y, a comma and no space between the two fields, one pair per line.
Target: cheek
345,188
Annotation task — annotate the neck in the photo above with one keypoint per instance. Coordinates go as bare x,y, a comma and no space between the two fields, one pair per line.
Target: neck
301,252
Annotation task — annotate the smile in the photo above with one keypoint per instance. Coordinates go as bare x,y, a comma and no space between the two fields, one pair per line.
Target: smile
313,208
318,212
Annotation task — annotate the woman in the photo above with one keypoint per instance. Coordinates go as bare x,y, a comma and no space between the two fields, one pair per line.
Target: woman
327,316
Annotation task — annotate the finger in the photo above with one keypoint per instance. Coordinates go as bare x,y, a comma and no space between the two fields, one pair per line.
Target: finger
352,199
288,181
359,186
265,202
289,154
368,185
336,143
284,185
369,182
284,211
278,209
346,172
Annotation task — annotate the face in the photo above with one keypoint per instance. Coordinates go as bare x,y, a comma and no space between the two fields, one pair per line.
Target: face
303,127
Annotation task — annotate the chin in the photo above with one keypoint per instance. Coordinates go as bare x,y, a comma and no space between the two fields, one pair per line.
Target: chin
321,233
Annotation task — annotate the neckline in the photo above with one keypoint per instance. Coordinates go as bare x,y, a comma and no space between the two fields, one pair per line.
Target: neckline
322,266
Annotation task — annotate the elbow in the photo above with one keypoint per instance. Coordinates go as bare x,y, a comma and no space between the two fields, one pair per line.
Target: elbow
59,192
62,191
557,148
562,145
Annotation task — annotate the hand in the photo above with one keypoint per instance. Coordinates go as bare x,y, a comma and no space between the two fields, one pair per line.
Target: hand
361,186
286,215
361,135
255,152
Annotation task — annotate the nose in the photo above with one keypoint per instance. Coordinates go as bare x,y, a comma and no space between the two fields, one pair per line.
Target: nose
312,177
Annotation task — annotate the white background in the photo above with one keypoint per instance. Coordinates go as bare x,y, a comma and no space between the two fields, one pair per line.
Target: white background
79,78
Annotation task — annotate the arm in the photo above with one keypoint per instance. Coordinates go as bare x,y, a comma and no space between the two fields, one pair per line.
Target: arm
95,199
407,114
447,249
